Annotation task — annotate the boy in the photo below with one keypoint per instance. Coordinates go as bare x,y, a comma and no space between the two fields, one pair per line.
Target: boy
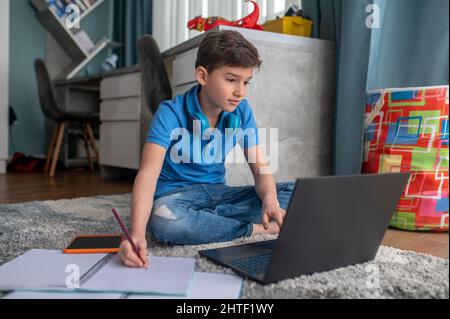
192,204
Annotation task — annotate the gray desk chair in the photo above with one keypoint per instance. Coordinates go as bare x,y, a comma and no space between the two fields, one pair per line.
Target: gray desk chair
51,109
153,73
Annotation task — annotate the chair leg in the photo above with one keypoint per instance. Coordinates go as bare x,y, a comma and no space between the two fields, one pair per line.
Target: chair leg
57,150
51,148
92,142
86,145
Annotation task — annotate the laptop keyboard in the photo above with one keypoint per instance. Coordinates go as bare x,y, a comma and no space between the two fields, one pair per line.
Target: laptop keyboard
253,265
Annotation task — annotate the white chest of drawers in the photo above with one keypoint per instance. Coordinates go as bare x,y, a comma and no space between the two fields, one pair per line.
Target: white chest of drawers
124,122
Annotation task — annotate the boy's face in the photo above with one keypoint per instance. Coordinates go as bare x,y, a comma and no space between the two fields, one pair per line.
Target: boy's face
225,87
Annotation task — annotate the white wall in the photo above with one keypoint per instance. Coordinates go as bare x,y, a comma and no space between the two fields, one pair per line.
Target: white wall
4,87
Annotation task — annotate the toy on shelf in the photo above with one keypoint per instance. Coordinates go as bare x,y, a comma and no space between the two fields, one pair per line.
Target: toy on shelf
205,24
293,23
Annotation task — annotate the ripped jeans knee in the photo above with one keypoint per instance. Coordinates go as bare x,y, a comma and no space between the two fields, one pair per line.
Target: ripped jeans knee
167,224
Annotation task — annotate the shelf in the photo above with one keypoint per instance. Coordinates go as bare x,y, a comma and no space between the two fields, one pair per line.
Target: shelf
94,53
77,66
67,39
92,8
62,35
42,5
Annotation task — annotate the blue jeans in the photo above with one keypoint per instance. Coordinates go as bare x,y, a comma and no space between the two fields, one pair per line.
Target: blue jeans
204,213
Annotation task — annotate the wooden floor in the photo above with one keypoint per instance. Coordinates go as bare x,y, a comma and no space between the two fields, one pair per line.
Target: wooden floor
15,188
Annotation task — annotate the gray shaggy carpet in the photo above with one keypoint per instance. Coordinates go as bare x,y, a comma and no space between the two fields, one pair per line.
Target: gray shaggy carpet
52,224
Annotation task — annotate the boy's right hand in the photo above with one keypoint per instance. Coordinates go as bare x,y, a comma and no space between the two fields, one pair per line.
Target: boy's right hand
129,257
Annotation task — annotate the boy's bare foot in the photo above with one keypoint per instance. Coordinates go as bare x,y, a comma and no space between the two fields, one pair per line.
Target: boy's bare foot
273,229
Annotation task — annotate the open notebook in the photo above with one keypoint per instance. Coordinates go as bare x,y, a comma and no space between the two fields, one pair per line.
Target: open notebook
204,286
45,270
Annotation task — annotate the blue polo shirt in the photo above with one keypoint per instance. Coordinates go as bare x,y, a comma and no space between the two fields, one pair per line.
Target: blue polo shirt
202,161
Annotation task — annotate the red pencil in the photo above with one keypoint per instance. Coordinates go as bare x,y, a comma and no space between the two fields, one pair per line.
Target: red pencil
127,234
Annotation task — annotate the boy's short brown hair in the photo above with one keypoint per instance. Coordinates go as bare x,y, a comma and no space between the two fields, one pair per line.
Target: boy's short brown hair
226,48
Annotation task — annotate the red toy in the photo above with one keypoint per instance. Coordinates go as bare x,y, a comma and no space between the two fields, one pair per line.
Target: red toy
249,22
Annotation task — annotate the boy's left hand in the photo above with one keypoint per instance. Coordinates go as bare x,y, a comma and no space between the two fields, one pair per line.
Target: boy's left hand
272,211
